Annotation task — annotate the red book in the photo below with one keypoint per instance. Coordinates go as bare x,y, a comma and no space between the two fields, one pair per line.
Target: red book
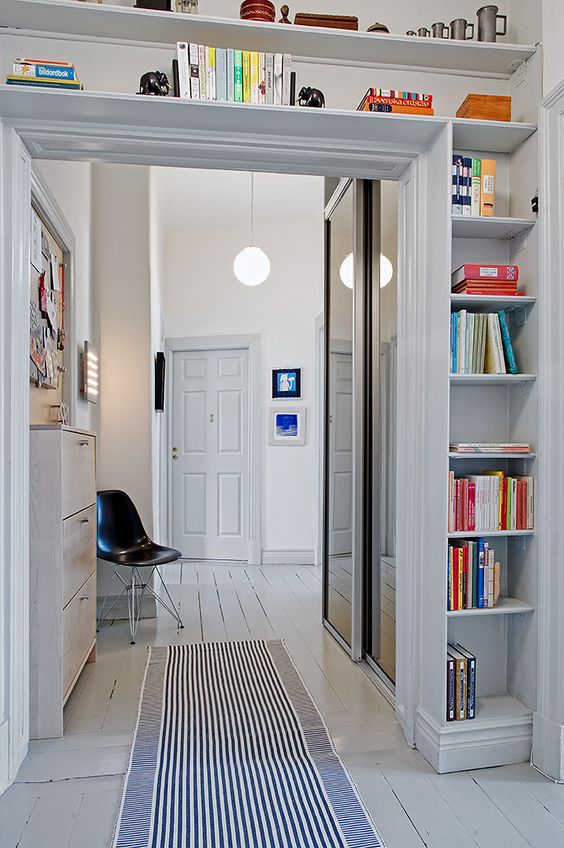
477,290
471,506
482,284
485,272
521,517
459,525
504,504
464,577
465,505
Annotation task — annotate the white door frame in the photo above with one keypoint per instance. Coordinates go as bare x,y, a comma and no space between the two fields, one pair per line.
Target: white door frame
250,343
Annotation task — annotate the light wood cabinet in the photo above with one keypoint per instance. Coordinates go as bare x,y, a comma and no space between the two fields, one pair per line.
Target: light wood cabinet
63,569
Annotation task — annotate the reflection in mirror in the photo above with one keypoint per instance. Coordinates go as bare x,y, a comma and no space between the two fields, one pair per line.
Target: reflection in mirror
339,393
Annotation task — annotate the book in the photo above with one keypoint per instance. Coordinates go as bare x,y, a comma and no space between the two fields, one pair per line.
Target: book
262,78
269,79
194,56
470,681
202,71
286,71
488,181
254,77
44,70
221,74
182,56
451,690
231,75
476,186
456,204
507,345
211,81
467,185
499,273
246,76
176,78
489,447
278,61
64,85
461,683
238,76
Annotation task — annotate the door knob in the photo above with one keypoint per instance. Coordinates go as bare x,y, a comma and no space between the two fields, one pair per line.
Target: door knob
212,419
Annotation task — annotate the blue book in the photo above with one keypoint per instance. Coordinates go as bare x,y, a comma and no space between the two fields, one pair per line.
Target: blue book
466,185
221,73
481,571
456,176
44,70
455,345
507,345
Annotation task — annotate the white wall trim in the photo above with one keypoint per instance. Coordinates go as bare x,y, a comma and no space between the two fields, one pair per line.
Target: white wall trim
288,556
252,344
320,431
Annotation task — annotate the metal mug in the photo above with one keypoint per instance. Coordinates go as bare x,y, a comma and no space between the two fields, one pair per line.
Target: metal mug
423,32
410,32
438,30
487,23
459,28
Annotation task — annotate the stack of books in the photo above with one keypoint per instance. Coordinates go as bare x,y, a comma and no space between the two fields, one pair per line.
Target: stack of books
474,576
489,447
473,186
45,74
489,502
392,101
481,343
491,280
233,76
461,671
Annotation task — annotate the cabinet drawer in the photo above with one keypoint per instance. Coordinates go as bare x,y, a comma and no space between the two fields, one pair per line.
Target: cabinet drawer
79,483
79,631
79,551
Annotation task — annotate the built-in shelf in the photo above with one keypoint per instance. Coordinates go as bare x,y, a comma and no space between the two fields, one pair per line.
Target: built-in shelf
490,379
493,709
489,136
505,606
482,455
469,226
69,19
488,302
488,534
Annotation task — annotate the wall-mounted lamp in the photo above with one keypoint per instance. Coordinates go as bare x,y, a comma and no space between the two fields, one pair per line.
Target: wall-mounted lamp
89,373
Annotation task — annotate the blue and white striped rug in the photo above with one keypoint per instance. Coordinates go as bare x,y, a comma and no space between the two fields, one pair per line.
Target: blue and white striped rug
231,752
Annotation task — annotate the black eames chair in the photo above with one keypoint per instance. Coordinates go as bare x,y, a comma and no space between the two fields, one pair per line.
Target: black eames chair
123,541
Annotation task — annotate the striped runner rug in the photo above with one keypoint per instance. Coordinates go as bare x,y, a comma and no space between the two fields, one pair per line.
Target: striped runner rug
231,752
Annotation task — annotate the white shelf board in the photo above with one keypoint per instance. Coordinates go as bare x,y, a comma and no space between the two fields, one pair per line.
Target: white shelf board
492,709
87,124
470,226
489,136
490,379
69,19
489,302
483,455
489,534
505,606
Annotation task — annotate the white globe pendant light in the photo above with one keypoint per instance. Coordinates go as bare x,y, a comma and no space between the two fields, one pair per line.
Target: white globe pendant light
252,265
346,271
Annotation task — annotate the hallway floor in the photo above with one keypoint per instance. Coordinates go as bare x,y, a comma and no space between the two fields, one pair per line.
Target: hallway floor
68,789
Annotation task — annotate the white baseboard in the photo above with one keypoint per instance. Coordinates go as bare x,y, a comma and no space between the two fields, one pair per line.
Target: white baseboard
288,556
548,752
473,744
4,756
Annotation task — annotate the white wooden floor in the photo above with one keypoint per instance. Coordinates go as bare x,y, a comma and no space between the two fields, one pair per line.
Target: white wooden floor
68,789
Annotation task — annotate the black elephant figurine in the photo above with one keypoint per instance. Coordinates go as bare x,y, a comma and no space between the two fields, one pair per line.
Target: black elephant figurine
311,97
155,83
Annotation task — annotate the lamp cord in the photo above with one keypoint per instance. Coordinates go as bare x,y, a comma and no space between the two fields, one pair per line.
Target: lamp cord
252,209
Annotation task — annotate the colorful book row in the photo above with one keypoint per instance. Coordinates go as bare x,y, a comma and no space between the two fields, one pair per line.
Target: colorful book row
474,576
473,186
461,674
397,102
481,343
490,501
234,76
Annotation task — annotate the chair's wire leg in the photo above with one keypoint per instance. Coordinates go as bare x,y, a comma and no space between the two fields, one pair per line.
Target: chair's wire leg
104,614
171,609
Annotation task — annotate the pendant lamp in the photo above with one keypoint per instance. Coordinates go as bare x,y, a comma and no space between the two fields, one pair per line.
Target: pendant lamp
252,265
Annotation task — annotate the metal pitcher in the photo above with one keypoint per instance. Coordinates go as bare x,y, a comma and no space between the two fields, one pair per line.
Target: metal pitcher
459,29
439,29
423,32
487,23
410,32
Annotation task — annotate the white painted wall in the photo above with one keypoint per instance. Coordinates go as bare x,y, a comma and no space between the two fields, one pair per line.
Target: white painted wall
202,297
122,300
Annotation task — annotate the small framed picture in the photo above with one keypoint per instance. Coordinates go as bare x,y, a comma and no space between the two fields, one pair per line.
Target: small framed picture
286,383
286,426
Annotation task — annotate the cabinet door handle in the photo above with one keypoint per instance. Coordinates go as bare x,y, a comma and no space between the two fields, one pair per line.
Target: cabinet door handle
84,598
85,521
84,444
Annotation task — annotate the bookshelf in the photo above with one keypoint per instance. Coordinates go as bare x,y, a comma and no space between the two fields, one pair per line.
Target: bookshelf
496,408
68,19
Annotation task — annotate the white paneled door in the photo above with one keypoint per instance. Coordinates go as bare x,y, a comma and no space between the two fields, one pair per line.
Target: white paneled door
341,460
210,434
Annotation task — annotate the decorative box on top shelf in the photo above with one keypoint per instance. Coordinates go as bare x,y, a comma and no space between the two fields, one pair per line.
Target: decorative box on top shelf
486,107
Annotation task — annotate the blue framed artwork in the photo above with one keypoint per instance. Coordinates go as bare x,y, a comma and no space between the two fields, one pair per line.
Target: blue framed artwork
286,383
286,426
